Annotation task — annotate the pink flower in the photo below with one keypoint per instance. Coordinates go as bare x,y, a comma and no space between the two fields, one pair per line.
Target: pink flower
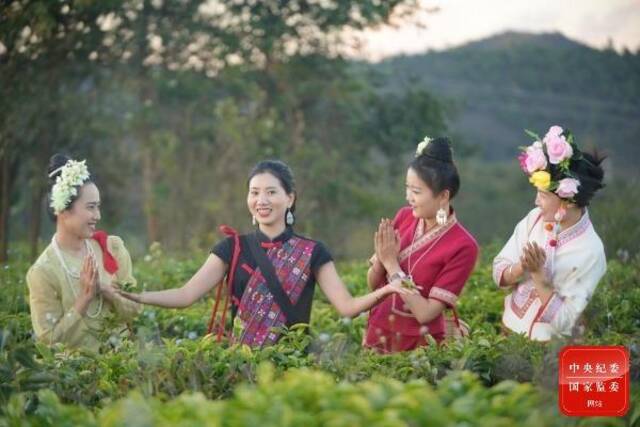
522,159
536,160
567,187
554,131
558,148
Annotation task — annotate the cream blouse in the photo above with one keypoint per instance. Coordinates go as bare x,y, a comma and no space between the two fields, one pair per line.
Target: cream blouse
52,295
575,266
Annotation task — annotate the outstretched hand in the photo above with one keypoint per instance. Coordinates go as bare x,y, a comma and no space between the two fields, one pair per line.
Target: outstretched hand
397,287
131,296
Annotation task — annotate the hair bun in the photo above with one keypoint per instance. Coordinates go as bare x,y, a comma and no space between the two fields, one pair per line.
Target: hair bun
439,149
588,170
55,163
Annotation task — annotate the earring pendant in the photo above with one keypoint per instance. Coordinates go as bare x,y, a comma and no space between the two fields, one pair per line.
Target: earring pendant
289,218
441,217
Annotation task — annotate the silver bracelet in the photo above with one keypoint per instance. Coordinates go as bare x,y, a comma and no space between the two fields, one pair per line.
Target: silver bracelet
509,269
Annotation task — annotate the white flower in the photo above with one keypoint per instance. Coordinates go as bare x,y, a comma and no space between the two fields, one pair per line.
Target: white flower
423,145
73,174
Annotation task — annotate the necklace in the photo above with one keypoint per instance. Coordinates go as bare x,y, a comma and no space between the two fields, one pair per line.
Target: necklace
73,275
409,267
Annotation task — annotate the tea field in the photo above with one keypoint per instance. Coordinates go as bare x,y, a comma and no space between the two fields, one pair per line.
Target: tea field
167,372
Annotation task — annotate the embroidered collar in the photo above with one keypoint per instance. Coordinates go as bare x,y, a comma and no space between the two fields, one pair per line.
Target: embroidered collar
575,230
426,237
268,243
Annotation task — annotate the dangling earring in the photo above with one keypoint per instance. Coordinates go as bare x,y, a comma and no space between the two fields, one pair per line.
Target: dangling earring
253,220
289,218
441,217
558,217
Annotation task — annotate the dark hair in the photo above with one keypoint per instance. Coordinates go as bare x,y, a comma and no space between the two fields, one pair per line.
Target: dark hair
588,170
280,170
435,167
56,162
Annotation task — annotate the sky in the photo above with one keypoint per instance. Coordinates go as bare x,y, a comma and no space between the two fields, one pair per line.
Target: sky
593,22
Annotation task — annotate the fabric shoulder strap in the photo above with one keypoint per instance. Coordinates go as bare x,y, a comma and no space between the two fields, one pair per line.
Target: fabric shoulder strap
272,281
228,294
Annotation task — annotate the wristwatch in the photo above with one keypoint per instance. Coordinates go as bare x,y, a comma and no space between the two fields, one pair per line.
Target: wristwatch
397,275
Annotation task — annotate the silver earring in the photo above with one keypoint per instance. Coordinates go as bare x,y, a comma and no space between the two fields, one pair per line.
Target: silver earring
289,218
441,217
253,220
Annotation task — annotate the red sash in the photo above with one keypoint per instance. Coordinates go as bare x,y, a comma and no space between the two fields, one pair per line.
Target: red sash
110,263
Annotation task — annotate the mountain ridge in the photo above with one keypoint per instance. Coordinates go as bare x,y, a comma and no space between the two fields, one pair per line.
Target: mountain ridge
510,81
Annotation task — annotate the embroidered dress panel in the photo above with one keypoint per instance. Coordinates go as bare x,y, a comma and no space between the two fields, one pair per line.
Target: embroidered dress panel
259,316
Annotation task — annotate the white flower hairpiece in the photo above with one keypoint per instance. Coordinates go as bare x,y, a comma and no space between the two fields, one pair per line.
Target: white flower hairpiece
74,174
423,145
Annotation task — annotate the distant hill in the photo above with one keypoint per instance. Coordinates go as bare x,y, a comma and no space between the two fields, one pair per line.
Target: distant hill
511,81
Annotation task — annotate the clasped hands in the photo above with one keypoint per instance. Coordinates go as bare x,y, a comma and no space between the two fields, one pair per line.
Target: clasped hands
532,260
90,282
386,242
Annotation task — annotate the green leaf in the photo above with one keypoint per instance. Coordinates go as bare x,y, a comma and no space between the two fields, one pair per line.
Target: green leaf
532,135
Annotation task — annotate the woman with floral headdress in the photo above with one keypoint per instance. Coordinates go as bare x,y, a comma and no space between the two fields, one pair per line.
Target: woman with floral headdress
554,260
426,248
71,284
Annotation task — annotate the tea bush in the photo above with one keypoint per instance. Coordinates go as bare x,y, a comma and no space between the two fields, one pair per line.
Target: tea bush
170,373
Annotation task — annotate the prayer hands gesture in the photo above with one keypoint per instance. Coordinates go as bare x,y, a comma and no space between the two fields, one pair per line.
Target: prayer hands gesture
533,258
88,284
387,243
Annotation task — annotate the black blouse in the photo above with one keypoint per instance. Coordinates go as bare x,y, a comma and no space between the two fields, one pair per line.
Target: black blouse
224,250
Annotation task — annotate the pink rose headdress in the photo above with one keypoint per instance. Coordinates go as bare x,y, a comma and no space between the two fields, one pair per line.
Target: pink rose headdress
547,162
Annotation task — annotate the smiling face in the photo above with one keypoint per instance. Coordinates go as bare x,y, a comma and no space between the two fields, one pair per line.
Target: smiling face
421,198
549,203
267,200
83,215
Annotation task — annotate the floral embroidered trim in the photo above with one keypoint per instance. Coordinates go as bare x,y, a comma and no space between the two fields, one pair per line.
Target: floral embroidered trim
551,308
443,295
578,229
428,237
522,298
499,266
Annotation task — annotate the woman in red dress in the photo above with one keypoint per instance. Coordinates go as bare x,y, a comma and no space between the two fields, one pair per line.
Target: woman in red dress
424,246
